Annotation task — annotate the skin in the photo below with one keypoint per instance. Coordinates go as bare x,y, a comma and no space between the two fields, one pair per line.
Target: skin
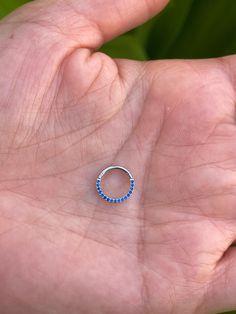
68,112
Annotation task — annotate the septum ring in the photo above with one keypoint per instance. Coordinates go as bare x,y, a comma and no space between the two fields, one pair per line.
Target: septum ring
107,198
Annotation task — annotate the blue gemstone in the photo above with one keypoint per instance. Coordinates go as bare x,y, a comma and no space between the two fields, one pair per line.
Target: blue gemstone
125,197
115,200
104,197
108,199
122,199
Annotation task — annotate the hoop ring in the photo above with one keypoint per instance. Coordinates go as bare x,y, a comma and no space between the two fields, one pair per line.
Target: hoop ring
107,198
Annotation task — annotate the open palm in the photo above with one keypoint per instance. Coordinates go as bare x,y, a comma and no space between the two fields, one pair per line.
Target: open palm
67,112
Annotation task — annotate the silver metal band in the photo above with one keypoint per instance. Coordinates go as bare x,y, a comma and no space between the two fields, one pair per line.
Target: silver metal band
114,167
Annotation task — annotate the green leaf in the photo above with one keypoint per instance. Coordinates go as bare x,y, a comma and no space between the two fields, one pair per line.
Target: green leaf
126,46
209,31
142,32
6,6
166,28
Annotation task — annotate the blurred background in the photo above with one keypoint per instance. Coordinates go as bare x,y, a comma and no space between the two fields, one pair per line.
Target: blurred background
185,29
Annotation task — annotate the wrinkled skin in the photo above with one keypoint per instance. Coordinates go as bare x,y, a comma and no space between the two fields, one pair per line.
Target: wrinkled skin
67,112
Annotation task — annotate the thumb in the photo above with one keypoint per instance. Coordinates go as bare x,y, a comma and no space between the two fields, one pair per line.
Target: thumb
90,22
221,296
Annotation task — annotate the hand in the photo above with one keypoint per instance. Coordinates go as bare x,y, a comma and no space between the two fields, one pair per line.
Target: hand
67,112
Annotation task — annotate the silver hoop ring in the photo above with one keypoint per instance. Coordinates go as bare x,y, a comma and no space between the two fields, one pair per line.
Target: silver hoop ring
114,200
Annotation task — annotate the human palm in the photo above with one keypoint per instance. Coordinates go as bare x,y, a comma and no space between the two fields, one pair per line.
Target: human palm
68,112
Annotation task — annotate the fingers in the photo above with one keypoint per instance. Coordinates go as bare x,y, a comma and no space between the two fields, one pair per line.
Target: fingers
100,20
221,296
116,17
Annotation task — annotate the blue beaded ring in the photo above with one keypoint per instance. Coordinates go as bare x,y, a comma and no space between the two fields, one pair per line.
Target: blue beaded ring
107,198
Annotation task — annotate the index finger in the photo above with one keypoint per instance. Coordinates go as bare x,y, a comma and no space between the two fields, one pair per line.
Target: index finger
90,23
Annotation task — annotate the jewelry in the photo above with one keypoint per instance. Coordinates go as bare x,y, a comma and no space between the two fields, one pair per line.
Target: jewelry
107,198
